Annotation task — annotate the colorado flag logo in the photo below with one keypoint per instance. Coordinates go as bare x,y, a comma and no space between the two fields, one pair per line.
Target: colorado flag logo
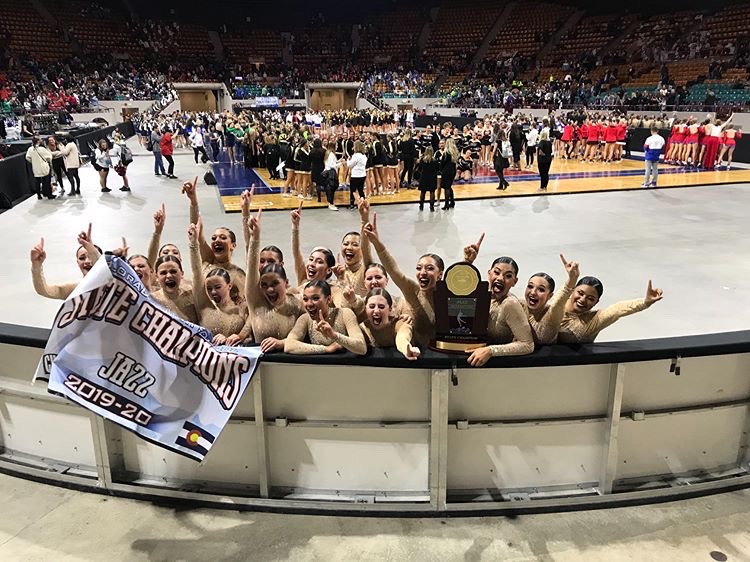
195,438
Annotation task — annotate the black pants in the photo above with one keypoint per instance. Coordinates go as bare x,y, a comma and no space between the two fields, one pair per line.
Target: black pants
75,181
450,200
200,150
43,185
272,162
357,184
408,169
544,173
500,171
516,147
58,167
432,198
170,161
530,152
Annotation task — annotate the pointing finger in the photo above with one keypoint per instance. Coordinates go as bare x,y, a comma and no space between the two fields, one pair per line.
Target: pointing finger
562,258
300,206
479,242
195,182
41,243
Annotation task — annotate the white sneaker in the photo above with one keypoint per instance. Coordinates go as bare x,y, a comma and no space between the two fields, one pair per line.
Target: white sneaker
300,196
286,194
307,197
333,207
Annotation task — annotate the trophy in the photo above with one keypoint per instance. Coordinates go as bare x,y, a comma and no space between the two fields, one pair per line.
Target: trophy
462,310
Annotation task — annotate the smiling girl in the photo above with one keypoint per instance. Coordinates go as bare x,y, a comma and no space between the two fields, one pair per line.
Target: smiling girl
217,310
544,307
173,294
272,311
327,329
508,327
418,293
223,243
582,325
384,329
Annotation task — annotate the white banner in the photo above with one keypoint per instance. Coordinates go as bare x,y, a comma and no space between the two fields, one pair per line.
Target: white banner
116,351
266,101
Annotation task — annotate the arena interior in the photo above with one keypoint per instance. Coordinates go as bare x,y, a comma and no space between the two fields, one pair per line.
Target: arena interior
531,124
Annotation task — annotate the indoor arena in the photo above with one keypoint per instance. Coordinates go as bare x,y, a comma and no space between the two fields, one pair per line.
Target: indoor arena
418,280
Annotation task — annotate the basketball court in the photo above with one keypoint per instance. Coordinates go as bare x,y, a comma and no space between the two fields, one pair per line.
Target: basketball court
566,176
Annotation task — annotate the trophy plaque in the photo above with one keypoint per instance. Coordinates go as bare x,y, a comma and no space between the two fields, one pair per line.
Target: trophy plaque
462,309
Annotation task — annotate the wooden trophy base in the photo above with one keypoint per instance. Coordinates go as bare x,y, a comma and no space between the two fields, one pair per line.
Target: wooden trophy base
455,345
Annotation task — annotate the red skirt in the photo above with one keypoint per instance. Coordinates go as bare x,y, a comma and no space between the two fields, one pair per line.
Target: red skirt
712,151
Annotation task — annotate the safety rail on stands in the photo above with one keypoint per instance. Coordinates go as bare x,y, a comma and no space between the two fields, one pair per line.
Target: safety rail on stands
566,427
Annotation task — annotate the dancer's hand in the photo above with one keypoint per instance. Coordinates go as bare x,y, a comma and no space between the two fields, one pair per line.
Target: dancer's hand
160,217
479,356
572,268
371,230
472,250
296,215
653,294
412,353
324,327
38,255
188,188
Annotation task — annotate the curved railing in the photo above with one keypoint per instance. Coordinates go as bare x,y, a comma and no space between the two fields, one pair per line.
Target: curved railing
566,427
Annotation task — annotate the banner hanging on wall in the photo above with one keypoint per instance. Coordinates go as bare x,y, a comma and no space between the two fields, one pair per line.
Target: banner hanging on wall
116,351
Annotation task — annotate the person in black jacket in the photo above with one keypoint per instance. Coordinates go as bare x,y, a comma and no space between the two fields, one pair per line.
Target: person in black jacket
407,151
272,153
516,137
428,177
317,165
544,157
448,172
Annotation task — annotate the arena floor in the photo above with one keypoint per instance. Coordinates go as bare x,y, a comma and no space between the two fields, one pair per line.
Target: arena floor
691,242
566,176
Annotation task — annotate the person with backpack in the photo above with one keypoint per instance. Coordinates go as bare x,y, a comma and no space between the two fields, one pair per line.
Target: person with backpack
121,157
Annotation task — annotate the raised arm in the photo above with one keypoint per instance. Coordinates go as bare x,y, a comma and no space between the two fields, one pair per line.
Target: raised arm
299,260
409,287
200,296
295,341
472,250
353,340
364,215
608,316
160,217
550,324
252,296
84,239
188,189
59,292
246,198
403,340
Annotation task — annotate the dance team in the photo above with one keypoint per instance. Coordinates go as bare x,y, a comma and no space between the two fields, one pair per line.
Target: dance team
332,304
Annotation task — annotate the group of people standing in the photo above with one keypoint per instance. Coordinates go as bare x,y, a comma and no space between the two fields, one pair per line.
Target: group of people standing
331,304
54,159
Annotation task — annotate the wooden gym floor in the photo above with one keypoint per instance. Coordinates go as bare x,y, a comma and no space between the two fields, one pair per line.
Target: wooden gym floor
566,176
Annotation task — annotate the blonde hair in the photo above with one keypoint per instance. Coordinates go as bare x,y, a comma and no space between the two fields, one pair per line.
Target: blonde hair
428,154
451,149
544,135
359,146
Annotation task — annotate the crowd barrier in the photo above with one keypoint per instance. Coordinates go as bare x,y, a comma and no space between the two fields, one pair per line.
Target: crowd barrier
565,428
16,177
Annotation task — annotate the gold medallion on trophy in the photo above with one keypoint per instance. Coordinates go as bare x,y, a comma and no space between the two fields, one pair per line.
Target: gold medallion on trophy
462,280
